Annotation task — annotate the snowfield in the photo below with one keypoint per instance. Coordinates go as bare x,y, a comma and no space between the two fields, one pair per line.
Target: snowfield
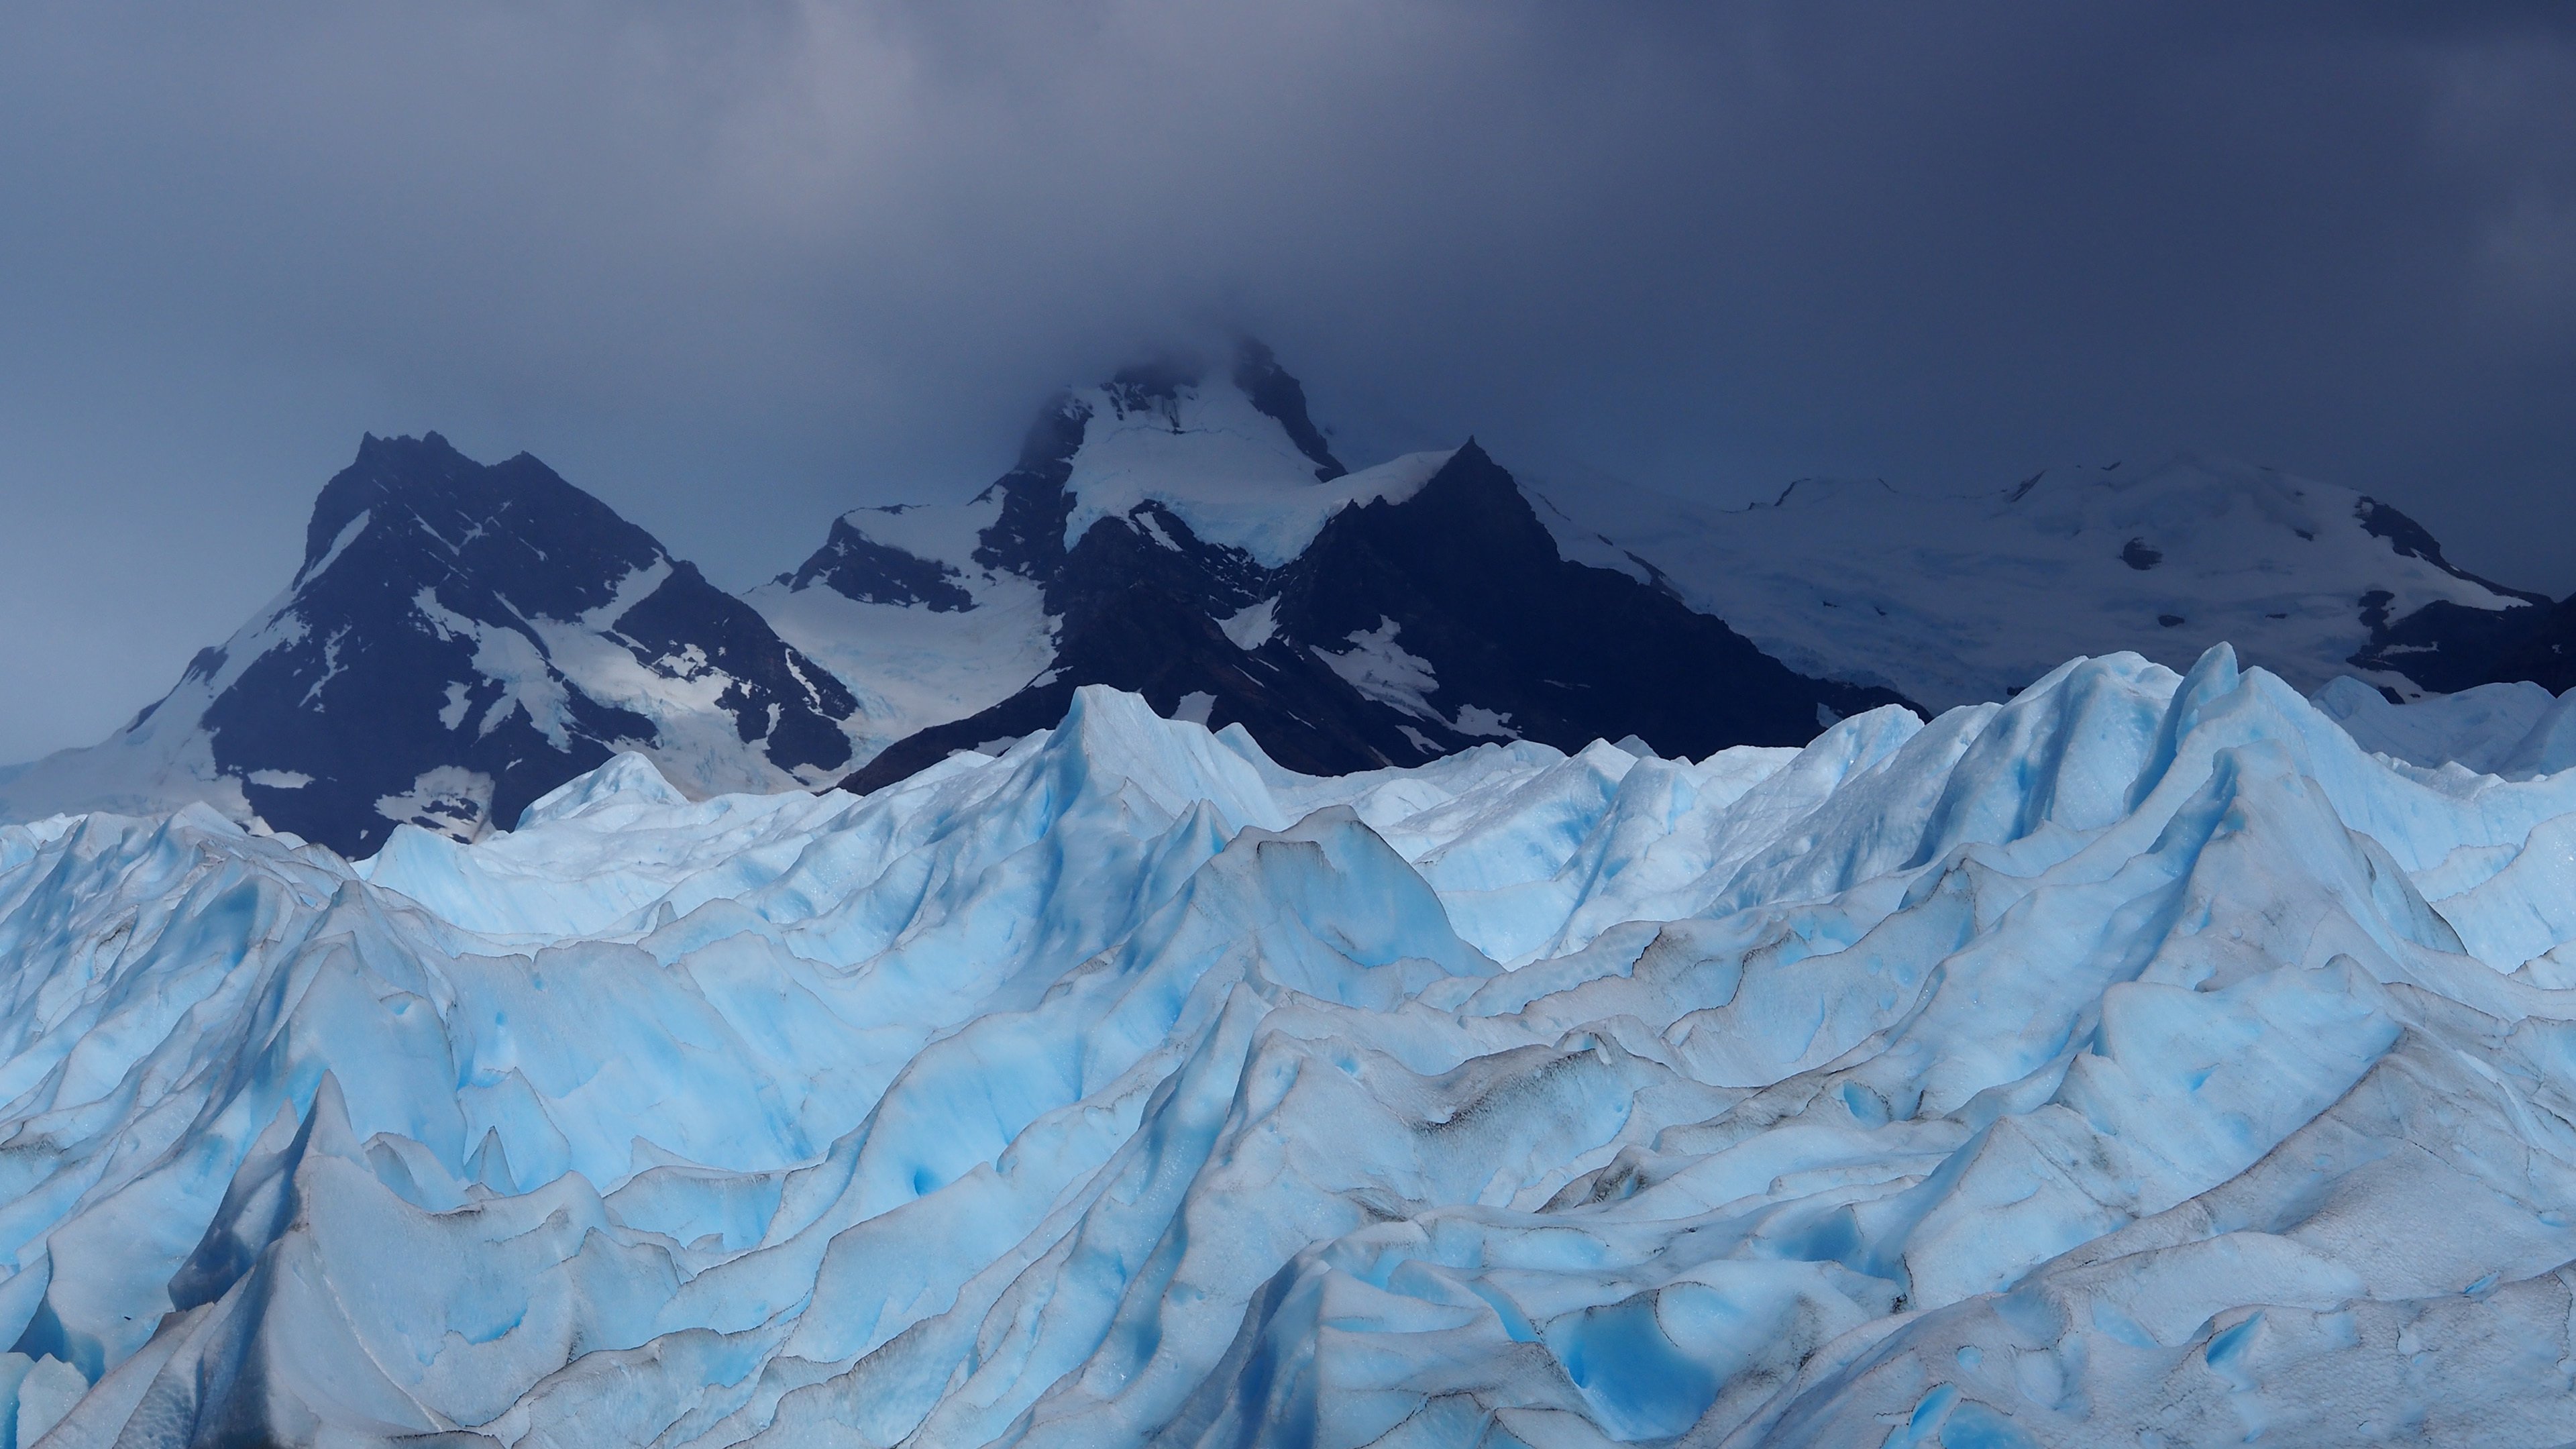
1950,599
2138,1062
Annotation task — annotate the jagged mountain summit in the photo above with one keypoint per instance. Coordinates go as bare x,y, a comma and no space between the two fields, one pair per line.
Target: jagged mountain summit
1954,599
1184,532
460,639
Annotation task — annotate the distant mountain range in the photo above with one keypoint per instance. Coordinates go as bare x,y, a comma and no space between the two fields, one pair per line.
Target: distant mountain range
462,638
1950,599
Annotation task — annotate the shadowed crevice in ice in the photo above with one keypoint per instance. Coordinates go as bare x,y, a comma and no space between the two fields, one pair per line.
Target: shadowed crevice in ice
2142,1055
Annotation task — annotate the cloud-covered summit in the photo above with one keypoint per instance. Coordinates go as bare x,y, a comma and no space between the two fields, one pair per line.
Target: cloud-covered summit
744,268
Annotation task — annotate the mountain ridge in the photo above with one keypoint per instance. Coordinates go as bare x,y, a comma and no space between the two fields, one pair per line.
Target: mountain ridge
459,639
1952,597
1208,552
1143,615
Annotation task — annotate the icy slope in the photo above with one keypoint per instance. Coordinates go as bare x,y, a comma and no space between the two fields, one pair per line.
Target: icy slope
2140,1061
895,605
2514,730
1953,599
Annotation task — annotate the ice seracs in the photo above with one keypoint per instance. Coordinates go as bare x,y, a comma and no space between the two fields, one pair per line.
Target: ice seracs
2140,1057
2517,730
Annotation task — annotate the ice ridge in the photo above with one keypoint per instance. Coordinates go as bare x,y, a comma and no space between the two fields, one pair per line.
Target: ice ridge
2141,1060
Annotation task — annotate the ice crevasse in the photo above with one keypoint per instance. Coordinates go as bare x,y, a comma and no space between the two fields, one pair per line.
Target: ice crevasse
2137,1062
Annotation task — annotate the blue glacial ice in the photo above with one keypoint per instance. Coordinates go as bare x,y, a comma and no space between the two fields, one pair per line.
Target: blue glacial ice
2138,1062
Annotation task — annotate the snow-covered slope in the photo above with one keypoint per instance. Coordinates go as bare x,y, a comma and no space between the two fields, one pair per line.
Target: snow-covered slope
1182,531
1953,599
2140,1061
460,639
920,645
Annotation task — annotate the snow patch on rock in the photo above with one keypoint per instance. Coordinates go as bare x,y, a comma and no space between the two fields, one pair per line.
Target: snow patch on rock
1253,625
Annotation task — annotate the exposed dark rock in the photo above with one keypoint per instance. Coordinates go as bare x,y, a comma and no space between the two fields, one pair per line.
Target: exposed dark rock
856,566
2443,646
1281,396
1461,578
1028,538
2544,652
403,687
1475,587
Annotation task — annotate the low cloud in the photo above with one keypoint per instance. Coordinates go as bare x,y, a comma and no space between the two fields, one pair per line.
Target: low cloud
737,268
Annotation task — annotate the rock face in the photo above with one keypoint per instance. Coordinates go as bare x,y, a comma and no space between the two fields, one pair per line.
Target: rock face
2543,654
460,639
1185,533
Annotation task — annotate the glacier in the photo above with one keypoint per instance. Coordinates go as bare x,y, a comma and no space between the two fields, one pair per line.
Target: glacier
2140,1061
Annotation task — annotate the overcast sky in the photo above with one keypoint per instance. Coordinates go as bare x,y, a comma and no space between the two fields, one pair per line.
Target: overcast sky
735,268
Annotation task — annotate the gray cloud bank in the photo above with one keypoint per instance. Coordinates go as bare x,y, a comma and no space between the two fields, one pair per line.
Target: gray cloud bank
736,268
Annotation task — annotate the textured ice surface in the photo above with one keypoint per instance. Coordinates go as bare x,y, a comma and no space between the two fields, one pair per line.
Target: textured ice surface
2139,1062
2515,730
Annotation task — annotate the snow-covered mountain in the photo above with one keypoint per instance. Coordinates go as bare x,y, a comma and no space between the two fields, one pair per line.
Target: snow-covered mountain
1184,532
463,638
2136,1062
460,639
1952,599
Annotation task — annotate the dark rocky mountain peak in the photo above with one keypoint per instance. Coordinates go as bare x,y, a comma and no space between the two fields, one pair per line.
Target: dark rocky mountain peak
1418,620
1184,532
515,525
459,639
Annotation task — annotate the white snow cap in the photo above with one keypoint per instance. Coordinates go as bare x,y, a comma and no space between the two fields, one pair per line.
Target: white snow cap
1229,470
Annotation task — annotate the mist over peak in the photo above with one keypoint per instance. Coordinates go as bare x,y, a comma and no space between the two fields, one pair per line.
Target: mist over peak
742,270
